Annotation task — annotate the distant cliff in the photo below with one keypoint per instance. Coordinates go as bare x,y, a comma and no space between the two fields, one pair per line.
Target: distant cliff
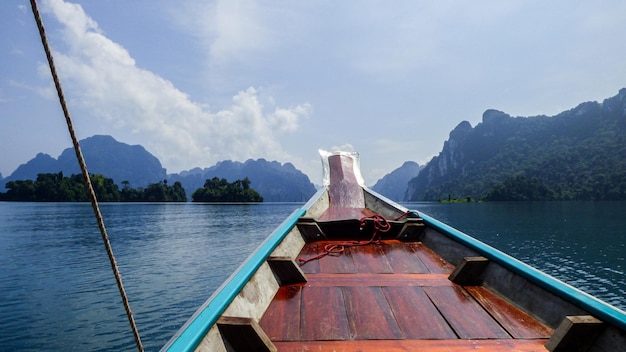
104,155
577,154
121,162
394,185
275,182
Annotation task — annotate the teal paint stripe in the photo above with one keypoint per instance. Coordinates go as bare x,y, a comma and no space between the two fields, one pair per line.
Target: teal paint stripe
193,333
594,306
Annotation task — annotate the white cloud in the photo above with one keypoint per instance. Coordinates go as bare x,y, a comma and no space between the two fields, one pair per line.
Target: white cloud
230,29
104,80
286,120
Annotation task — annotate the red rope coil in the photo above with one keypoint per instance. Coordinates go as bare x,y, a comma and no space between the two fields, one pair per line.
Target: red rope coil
381,225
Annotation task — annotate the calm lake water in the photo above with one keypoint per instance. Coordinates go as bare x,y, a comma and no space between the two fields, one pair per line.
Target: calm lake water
57,292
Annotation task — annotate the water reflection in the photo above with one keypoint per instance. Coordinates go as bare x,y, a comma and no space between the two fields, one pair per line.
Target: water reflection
581,243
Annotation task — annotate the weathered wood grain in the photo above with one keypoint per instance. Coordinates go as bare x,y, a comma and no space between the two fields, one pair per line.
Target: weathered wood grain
324,314
431,260
367,295
281,321
371,258
416,315
494,345
338,263
519,324
364,280
403,259
464,314
369,314
308,251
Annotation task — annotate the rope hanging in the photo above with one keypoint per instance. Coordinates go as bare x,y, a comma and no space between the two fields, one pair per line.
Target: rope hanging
83,168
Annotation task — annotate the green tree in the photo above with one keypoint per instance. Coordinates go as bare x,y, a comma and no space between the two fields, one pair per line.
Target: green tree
220,190
54,187
19,191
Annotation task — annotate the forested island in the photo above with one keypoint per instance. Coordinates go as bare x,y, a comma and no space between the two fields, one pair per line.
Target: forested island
55,187
220,190
275,181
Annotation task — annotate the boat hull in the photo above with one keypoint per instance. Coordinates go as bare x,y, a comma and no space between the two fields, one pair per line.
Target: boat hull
331,279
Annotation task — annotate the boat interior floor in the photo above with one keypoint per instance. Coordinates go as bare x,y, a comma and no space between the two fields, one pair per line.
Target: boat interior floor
393,296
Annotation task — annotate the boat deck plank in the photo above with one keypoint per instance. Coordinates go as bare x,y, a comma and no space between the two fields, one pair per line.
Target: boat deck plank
392,257
371,317
371,259
310,250
403,258
280,322
327,321
342,263
364,280
519,324
509,345
434,263
464,314
393,296
416,314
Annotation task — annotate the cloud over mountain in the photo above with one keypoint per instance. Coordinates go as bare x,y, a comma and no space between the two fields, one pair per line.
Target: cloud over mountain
110,87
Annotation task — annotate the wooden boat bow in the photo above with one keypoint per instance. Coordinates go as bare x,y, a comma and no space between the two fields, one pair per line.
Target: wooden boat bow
420,285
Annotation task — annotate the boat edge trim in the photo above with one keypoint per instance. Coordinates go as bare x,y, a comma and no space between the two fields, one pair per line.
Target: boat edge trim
593,305
192,333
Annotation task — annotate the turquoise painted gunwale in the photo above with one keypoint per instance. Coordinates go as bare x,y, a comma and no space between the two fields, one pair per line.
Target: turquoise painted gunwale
190,336
594,306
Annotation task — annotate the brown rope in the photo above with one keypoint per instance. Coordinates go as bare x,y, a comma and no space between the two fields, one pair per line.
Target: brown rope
83,167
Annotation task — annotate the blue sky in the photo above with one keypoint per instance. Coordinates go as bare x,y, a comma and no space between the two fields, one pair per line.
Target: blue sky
196,82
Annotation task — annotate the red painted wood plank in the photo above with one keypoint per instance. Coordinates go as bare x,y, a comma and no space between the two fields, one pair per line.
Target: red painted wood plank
416,315
369,314
432,260
388,257
509,345
318,280
323,314
468,319
310,250
281,321
337,263
514,320
371,258
403,259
